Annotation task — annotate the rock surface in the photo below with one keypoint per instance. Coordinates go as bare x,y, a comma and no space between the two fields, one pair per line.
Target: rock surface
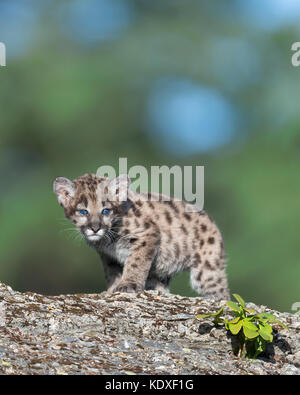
144,333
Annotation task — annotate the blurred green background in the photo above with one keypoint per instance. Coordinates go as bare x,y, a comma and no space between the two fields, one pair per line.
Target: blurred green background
207,83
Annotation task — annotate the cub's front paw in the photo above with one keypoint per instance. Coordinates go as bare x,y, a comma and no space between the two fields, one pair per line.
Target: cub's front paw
128,287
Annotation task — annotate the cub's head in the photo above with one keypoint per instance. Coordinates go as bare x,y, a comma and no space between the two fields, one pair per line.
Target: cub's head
94,204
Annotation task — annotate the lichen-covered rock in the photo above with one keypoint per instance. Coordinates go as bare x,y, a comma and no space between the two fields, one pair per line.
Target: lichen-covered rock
147,333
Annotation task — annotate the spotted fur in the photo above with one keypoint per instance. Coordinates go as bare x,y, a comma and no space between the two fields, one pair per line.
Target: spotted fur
145,239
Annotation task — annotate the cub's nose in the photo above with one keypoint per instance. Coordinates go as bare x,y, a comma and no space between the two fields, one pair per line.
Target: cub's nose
95,228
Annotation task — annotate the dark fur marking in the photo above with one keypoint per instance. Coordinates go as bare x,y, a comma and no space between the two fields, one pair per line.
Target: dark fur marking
203,227
137,212
207,265
171,204
197,260
197,234
217,263
183,228
199,276
168,217
83,200
187,216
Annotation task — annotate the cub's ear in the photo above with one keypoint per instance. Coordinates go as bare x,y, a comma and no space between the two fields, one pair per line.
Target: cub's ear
118,188
64,190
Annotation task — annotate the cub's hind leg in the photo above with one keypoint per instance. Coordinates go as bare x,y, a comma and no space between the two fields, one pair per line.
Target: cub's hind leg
154,283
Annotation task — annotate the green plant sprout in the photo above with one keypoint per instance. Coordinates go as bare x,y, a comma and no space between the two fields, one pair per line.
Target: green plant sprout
253,330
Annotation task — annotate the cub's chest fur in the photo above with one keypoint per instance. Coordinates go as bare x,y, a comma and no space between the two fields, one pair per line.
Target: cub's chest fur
144,239
118,251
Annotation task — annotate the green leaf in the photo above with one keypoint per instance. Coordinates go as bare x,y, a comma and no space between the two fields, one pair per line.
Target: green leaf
218,320
266,327
249,324
233,306
268,316
280,324
226,324
265,331
235,320
265,334
239,299
249,333
250,330
259,345
251,311
208,315
219,312
235,328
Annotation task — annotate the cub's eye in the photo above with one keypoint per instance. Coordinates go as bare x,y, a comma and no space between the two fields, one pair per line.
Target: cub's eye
83,212
106,211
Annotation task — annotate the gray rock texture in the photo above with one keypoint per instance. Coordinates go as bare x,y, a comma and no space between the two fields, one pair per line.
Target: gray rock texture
144,333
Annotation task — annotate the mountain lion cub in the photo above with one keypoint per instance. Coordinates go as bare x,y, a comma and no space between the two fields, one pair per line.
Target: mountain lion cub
144,239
